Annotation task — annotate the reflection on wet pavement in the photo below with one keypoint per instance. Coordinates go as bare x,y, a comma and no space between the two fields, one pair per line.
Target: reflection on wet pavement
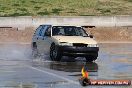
114,62
117,60
69,66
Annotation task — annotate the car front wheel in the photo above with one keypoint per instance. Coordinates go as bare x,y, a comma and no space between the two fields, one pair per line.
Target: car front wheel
55,54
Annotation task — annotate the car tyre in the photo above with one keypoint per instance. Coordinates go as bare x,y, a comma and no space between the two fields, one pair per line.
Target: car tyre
34,50
91,58
55,54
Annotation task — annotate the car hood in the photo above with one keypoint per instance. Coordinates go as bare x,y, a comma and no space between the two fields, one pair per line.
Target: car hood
75,39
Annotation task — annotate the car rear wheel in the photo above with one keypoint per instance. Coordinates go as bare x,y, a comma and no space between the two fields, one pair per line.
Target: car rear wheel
55,54
34,50
91,58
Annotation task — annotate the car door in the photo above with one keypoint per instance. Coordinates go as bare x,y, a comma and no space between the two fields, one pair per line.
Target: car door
45,41
40,38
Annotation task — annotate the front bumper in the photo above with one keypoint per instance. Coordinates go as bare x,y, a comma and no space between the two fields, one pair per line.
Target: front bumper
78,51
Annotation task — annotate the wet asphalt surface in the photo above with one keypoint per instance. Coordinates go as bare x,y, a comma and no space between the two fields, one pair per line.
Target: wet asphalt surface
18,69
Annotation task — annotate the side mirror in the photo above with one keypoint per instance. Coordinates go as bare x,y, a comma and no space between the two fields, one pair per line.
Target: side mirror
91,36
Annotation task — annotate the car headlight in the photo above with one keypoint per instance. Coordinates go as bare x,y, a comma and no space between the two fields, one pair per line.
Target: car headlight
65,44
92,45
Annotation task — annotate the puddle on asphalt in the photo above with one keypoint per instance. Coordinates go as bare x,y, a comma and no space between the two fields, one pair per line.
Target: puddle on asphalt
68,66
123,60
15,84
114,62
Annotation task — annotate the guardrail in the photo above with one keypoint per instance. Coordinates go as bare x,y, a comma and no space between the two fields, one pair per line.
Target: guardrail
98,21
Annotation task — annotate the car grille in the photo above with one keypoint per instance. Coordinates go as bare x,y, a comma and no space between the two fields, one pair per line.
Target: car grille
79,45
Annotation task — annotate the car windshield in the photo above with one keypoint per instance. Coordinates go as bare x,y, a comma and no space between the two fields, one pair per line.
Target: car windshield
68,31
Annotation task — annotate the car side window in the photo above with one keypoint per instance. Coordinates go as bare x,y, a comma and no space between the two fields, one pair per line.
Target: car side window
43,30
48,31
39,31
